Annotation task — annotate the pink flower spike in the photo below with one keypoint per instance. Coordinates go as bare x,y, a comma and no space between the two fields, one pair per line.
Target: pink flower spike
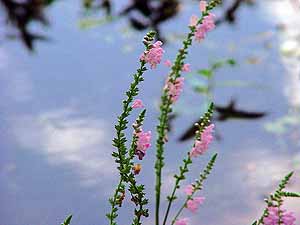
273,218
143,143
175,89
186,68
157,44
201,146
202,5
189,189
193,21
207,25
183,221
153,55
193,204
137,104
168,63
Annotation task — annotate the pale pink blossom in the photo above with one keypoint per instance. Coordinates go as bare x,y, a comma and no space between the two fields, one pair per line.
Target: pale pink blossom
288,218
137,104
175,89
273,218
153,55
186,67
193,204
168,63
202,5
201,146
207,25
183,221
193,21
189,189
209,22
199,34
143,143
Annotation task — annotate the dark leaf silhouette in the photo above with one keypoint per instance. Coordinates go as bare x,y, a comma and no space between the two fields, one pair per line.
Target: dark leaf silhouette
225,113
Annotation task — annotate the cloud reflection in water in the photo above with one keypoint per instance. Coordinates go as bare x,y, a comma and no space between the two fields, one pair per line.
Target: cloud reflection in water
68,139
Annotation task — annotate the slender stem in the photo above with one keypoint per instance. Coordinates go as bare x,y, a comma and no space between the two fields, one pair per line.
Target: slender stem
205,121
121,158
179,212
169,205
114,200
166,109
275,197
198,184
179,177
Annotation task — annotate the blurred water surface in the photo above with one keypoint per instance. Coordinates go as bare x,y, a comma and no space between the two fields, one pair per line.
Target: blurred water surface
60,102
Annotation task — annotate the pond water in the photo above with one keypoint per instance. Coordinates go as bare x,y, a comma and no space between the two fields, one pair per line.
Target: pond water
60,102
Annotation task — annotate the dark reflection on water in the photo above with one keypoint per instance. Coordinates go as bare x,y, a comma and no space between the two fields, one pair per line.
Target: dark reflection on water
20,14
224,113
58,108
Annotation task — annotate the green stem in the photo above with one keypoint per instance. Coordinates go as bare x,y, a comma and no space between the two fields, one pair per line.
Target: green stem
179,177
166,109
124,162
277,197
112,215
205,121
199,184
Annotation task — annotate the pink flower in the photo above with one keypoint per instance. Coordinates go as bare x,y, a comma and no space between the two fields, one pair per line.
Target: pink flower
193,204
273,218
143,143
201,146
202,6
137,104
193,20
199,34
183,221
175,88
168,63
186,68
154,55
207,25
209,22
189,189
288,218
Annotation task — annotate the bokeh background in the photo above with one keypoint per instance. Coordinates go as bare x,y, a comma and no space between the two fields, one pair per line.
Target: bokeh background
64,68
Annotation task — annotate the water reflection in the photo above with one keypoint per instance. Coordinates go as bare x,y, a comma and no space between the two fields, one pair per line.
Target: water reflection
225,113
53,153
20,14
66,138
141,14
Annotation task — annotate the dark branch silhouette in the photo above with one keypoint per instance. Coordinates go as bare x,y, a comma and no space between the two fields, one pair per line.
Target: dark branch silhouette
225,113
152,14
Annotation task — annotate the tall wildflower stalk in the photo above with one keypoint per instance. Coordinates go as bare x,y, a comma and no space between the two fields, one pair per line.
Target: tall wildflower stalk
273,213
122,156
166,102
205,121
197,186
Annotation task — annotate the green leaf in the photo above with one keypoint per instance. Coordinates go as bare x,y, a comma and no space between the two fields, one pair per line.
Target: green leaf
201,89
205,72
67,221
217,65
289,194
231,62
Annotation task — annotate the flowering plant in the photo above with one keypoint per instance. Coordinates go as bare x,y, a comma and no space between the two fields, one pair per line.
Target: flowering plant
141,140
